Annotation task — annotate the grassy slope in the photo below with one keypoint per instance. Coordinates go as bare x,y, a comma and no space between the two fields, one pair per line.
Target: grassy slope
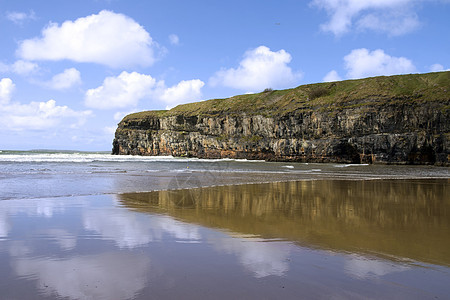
324,96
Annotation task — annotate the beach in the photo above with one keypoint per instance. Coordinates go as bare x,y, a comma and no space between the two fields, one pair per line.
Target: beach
96,226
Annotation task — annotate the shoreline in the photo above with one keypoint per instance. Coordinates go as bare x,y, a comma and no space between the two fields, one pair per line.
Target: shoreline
233,184
285,181
42,175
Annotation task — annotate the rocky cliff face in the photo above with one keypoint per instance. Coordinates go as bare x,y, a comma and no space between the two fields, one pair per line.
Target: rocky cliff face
315,123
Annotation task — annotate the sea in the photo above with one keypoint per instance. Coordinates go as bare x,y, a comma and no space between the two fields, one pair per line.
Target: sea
91,225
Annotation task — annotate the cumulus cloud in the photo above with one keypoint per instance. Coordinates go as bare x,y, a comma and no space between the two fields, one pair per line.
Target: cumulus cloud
260,68
106,38
109,130
40,116
67,79
174,39
119,92
6,90
394,17
35,115
127,89
20,67
394,22
438,68
24,67
121,114
185,90
332,76
20,17
364,63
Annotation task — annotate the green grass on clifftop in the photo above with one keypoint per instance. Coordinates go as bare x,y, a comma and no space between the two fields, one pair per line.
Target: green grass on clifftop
324,96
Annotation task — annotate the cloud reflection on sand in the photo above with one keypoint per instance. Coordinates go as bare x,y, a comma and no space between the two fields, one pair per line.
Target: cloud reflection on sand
364,268
64,239
113,275
5,227
95,247
46,208
259,257
130,229
106,275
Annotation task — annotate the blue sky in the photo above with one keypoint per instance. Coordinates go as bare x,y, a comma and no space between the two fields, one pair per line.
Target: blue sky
70,70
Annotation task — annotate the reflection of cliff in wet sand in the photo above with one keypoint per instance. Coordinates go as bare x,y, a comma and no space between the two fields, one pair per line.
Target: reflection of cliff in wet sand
402,218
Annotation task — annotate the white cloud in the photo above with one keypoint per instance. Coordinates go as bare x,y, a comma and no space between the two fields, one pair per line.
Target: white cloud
174,39
106,38
40,116
184,91
35,115
6,90
394,17
20,17
121,114
110,130
20,67
332,76
260,68
394,22
24,67
364,63
67,79
438,68
122,91
128,89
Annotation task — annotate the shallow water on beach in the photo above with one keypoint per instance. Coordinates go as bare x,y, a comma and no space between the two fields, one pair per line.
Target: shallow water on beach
35,174
330,231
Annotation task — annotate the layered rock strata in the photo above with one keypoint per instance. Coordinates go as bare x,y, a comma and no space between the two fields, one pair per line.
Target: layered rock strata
397,119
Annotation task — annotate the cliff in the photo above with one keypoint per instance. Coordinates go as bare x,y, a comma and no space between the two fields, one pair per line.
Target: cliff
396,119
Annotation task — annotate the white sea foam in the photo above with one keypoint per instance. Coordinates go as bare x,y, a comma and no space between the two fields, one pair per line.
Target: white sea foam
77,157
94,157
288,167
350,165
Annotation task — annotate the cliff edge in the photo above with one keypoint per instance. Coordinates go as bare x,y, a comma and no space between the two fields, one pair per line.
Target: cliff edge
401,119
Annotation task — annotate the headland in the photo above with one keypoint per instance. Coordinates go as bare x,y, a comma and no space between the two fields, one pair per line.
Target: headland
403,119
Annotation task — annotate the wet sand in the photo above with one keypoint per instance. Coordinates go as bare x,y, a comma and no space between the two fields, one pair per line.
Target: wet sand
314,239
404,219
